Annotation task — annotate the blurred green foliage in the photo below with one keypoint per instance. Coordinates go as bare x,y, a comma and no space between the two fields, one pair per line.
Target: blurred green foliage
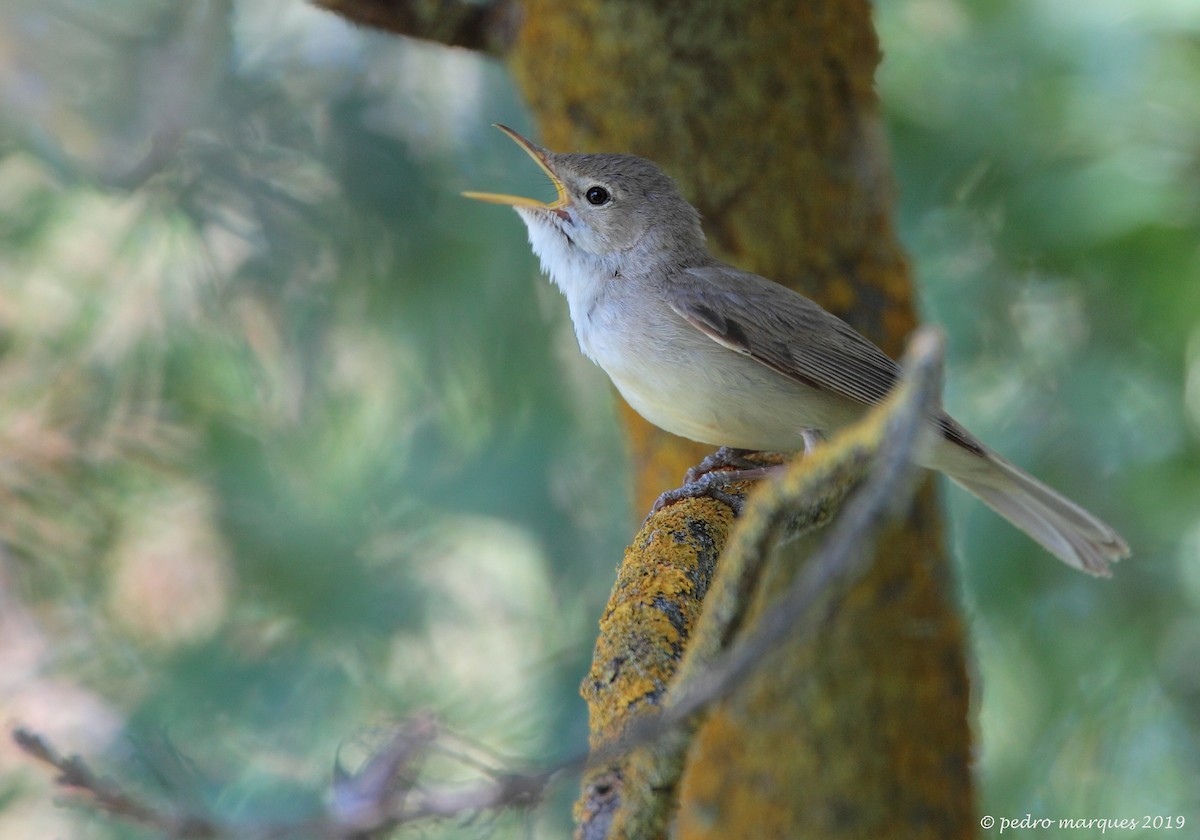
1048,156
293,441
289,446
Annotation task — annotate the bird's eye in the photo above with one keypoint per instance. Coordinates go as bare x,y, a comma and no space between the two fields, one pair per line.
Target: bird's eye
597,196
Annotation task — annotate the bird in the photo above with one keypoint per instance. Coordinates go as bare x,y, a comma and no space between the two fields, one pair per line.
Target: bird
722,356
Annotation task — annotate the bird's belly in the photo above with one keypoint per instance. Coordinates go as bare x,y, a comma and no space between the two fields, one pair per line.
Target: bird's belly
708,393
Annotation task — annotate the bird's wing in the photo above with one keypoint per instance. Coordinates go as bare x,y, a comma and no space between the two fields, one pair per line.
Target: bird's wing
783,330
790,334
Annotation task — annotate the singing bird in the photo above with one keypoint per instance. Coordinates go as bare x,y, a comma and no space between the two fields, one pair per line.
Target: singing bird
726,357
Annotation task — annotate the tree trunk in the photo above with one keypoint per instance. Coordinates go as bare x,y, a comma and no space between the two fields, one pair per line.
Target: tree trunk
765,114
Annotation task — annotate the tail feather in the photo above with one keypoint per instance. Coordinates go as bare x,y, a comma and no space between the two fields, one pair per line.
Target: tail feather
1063,528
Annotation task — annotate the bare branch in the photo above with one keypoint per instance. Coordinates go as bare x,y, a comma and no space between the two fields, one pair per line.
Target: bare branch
368,798
383,795
486,27
75,775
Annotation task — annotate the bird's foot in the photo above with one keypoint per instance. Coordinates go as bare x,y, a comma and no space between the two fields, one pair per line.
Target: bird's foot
724,467
725,458
709,485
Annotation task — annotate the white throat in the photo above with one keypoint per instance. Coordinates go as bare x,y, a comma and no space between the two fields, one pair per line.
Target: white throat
586,281
580,274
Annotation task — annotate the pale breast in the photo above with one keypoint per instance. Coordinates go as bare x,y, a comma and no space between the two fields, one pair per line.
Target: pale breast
684,382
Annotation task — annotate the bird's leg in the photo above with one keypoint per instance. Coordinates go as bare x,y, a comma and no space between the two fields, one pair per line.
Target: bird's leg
710,485
725,458
812,439
724,467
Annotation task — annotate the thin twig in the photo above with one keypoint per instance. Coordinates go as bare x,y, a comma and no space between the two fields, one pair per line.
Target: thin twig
75,775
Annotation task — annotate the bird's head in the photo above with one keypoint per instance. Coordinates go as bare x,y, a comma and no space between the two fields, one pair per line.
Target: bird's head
607,207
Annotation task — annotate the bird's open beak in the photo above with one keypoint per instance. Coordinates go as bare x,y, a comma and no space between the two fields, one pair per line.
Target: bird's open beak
538,154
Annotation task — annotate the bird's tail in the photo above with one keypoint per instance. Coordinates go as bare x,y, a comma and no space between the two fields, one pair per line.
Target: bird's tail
1066,530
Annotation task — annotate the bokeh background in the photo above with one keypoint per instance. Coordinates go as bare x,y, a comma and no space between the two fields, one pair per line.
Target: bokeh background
294,442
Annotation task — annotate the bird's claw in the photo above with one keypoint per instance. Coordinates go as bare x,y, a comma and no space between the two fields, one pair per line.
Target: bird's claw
724,458
708,478
709,485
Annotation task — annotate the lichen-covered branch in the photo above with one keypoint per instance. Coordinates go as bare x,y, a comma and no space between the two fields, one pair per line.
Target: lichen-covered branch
632,796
